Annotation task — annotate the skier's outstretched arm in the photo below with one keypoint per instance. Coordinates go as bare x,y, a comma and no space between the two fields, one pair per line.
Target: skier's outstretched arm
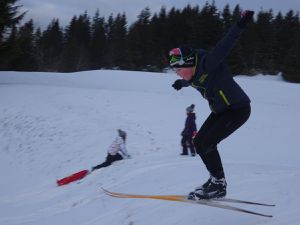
223,47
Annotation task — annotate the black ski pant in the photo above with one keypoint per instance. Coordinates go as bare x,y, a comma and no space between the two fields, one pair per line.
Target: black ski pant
216,128
187,142
109,160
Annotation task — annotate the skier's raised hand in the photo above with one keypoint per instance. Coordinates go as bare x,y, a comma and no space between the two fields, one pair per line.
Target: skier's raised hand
246,17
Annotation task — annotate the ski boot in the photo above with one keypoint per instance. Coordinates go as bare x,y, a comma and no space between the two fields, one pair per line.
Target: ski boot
212,188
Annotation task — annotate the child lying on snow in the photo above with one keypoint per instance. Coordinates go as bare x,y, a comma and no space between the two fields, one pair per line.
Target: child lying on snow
117,151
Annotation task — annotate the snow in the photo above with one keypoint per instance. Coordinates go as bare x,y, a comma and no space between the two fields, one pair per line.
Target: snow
52,125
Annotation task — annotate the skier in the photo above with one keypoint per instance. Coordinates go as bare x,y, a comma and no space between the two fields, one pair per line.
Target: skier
189,131
230,106
117,151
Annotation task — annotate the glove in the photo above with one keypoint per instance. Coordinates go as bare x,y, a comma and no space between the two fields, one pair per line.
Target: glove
246,17
177,85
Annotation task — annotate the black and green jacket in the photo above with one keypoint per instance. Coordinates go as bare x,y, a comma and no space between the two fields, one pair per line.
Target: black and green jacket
214,80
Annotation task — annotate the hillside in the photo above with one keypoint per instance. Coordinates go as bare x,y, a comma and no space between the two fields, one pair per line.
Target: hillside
52,125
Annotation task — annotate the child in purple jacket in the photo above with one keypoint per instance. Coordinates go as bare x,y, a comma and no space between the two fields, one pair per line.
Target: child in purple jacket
190,129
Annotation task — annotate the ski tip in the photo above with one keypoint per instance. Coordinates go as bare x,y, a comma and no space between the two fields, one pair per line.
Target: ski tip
105,190
108,192
269,216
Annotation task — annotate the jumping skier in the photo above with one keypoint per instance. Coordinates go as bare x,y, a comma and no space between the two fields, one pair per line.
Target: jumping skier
206,72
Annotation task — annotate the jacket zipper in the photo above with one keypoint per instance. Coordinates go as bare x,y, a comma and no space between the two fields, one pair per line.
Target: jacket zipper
224,97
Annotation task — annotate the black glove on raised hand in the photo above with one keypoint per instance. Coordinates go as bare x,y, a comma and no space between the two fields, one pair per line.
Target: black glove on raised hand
246,17
177,85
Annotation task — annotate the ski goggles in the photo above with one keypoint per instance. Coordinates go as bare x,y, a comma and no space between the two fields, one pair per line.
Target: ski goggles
178,60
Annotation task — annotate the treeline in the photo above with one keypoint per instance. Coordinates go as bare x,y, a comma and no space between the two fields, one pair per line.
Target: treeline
270,44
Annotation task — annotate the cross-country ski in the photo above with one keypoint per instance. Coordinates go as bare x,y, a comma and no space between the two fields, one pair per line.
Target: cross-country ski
183,198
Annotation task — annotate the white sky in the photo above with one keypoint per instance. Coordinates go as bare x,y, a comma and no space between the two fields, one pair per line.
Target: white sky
43,11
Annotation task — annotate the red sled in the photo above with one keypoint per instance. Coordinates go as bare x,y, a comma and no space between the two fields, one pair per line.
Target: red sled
75,176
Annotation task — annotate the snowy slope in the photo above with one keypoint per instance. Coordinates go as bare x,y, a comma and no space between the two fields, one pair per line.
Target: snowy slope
52,125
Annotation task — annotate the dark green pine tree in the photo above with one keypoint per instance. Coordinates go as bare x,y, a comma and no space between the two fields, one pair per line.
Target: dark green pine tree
37,53
50,47
291,66
139,41
117,42
291,70
98,44
9,51
227,18
175,27
24,57
69,59
288,35
208,26
189,32
9,16
264,43
280,37
75,56
109,62
159,43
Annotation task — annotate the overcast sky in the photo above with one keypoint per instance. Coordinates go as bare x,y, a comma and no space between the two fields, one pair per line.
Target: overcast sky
43,11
